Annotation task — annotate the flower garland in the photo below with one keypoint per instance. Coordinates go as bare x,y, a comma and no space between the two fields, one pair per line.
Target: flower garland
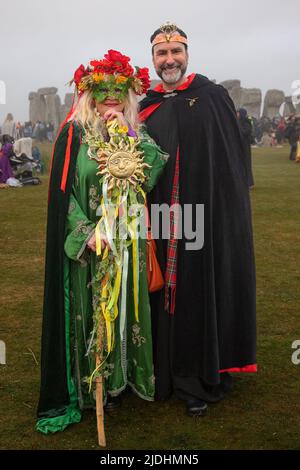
114,66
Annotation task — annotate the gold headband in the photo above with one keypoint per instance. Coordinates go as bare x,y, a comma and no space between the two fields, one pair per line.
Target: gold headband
169,37
169,33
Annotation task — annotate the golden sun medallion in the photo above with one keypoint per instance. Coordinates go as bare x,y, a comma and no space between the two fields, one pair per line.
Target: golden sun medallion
121,164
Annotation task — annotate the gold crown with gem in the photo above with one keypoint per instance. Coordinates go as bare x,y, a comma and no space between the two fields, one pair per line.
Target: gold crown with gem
169,33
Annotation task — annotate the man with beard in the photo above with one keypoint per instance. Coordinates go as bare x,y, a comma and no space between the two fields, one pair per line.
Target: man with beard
204,318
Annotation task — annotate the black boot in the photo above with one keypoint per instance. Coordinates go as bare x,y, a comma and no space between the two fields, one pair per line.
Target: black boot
195,407
112,403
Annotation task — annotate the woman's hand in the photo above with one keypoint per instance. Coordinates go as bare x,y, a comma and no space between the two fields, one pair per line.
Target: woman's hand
113,114
92,242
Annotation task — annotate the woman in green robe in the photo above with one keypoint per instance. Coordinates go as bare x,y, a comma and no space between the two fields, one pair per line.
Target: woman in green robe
102,159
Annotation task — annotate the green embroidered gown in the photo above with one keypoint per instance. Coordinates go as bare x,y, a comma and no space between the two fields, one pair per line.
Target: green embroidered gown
130,362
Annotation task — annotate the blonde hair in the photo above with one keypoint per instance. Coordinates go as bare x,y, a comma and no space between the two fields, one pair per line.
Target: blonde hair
84,112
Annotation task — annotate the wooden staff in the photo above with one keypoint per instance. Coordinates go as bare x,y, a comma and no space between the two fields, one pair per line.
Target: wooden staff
99,381
99,406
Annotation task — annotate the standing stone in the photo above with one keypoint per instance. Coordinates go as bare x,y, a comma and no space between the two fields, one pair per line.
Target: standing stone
234,89
272,103
251,99
289,108
69,99
48,91
53,109
65,108
63,112
37,107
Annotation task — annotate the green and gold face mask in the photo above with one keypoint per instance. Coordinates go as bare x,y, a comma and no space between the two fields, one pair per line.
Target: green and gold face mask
110,87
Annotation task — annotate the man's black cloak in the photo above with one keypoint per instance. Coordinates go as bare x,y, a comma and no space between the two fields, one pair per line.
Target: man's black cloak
213,328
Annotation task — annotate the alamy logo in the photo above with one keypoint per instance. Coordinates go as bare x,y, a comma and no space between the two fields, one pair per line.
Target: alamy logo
2,352
296,354
296,92
295,87
186,221
2,92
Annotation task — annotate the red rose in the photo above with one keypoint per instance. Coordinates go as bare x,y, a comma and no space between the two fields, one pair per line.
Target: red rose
143,75
99,65
116,56
113,63
79,73
119,63
128,71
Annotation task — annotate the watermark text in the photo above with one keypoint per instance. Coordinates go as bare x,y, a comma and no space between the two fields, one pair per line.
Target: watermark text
2,92
296,353
2,352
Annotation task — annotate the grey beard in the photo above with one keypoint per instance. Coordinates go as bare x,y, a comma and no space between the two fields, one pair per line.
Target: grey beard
174,77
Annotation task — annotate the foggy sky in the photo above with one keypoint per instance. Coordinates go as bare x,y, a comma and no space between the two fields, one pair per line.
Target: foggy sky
42,43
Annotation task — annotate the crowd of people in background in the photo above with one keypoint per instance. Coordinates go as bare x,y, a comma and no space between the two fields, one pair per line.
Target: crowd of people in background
266,132
274,132
256,132
41,131
19,154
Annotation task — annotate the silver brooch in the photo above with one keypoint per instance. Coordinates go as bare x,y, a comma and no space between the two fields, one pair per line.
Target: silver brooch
192,101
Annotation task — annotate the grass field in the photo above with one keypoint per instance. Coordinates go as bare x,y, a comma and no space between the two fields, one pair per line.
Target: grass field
263,411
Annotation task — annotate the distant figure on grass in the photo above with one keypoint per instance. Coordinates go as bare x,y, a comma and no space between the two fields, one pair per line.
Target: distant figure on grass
266,140
9,126
292,133
280,131
6,152
246,131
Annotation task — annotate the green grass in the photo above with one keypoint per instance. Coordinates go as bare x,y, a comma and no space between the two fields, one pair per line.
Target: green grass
263,410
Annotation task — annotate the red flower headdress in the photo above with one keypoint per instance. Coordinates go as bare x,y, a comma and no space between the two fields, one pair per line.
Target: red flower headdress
116,64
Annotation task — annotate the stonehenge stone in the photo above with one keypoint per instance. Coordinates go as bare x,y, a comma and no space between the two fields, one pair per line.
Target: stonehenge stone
63,112
251,100
272,103
66,106
248,98
234,89
53,109
48,91
289,107
229,84
37,107
32,95
45,104
68,100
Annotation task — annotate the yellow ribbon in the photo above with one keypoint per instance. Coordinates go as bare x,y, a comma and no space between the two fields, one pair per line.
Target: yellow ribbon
298,151
133,234
98,237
